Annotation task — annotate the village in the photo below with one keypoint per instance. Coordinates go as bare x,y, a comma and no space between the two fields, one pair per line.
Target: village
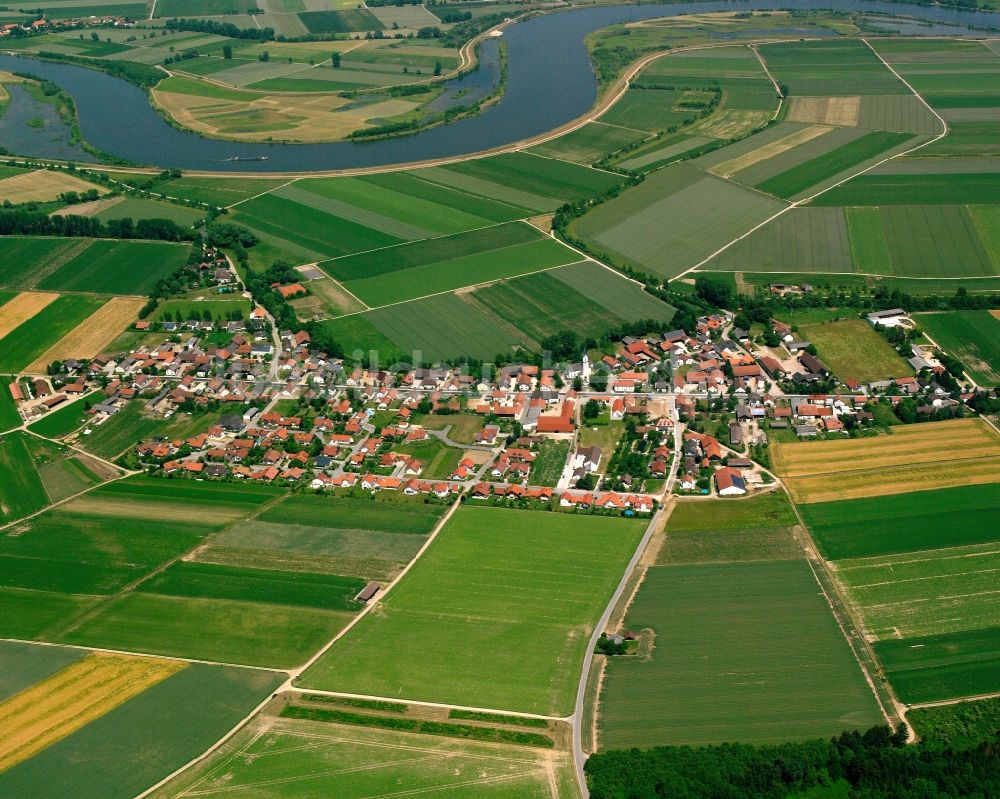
671,413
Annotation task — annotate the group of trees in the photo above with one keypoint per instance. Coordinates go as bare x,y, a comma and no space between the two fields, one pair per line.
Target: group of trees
876,764
35,223
220,29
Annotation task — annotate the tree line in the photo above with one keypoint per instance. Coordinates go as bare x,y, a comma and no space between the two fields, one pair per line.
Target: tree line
876,764
34,223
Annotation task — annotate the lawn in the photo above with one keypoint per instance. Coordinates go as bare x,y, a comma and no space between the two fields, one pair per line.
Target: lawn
32,338
132,424
743,652
971,336
549,463
326,759
438,459
496,613
863,528
120,754
65,420
118,267
852,349
463,426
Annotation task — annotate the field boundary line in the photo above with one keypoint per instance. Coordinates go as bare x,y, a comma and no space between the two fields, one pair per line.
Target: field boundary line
746,271
956,701
414,241
263,193
424,703
770,77
130,653
806,200
298,672
565,161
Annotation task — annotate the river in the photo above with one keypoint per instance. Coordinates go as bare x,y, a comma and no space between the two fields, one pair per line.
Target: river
549,83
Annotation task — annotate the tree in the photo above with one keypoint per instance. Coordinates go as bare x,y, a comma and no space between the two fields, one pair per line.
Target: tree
335,60
714,292
227,51
265,56
437,68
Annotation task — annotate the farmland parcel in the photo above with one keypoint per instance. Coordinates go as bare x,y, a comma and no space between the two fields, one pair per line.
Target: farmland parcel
104,746
496,613
931,455
736,641
920,570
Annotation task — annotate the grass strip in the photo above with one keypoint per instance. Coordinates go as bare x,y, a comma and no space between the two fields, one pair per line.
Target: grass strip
497,718
490,734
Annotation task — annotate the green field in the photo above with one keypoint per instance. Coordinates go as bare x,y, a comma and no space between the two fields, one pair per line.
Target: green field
248,633
919,569
796,181
852,349
370,538
675,219
612,292
220,191
466,270
9,417
543,182
213,581
915,189
32,338
121,753
22,665
286,223
496,613
811,240
589,143
117,267
431,251
24,258
445,326
876,526
21,489
971,336
324,759
743,651
136,208
195,309
830,69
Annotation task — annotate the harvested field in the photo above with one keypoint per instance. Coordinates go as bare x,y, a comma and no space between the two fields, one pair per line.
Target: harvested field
931,455
25,343
20,309
72,698
91,336
731,123
112,506
728,168
41,185
825,110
